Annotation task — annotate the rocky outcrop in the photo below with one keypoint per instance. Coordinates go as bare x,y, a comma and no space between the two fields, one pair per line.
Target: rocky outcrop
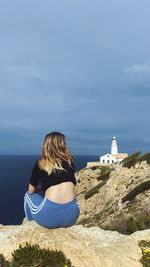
86,247
122,192
105,206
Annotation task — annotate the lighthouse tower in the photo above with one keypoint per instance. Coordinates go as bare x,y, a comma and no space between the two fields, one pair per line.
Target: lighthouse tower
114,156
114,147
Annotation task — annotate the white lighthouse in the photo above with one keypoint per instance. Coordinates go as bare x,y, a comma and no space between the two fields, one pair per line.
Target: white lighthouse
114,156
114,147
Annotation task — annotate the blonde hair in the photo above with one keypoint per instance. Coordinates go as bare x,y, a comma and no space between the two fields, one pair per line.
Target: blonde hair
54,150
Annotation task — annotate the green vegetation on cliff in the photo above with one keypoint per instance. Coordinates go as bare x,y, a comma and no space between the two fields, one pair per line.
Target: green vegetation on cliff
145,247
131,160
145,157
103,177
4,262
34,256
137,190
94,190
134,158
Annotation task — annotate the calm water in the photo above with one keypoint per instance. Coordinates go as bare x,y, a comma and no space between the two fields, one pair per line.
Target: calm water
15,172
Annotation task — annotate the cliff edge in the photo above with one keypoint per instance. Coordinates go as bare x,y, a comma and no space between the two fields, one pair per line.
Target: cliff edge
85,247
109,198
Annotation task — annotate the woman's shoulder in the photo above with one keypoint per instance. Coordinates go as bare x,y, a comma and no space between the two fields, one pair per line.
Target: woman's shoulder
36,167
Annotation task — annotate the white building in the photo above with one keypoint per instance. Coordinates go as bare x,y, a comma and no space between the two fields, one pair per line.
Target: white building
114,156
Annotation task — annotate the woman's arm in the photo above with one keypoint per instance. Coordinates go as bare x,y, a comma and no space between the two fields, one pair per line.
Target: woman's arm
34,180
34,189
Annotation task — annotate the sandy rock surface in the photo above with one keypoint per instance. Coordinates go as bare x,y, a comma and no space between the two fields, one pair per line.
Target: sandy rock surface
86,247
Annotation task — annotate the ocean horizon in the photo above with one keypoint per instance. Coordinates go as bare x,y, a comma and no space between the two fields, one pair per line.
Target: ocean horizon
14,178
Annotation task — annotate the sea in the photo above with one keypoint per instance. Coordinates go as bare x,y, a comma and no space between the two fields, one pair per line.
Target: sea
15,173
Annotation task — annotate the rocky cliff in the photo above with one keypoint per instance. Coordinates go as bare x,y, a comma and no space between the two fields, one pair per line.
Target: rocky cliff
85,247
107,197
119,194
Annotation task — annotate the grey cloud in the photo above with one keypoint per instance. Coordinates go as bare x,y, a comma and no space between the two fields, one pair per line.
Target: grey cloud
139,68
63,67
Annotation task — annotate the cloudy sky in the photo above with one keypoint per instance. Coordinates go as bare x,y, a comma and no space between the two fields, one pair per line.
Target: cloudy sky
80,67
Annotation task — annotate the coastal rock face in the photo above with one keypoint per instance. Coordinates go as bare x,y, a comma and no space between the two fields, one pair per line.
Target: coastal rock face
86,247
86,244
103,207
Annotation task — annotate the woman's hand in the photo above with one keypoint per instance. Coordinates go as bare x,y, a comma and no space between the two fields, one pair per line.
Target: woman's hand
34,189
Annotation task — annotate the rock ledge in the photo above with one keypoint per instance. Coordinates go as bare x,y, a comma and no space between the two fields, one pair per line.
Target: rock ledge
86,247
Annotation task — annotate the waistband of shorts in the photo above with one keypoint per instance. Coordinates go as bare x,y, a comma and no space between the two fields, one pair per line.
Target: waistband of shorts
61,204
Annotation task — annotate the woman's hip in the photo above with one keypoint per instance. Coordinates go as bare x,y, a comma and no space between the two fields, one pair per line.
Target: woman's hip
59,214
51,214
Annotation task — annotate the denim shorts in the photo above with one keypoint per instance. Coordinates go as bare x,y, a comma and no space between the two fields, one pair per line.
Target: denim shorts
50,214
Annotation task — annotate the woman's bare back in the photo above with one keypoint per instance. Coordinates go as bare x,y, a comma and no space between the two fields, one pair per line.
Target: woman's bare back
61,193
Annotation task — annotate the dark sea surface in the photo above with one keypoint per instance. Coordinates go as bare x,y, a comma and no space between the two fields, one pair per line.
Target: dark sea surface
15,172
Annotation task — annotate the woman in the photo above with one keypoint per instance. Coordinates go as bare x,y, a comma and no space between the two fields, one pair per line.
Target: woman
55,170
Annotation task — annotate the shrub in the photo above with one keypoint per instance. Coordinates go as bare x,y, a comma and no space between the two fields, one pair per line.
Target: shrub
33,255
145,157
132,156
137,190
131,160
145,247
95,168
130,163
104,177
3,261
135,158
132,226
105,169
84,221
94,190
129,226
82,192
